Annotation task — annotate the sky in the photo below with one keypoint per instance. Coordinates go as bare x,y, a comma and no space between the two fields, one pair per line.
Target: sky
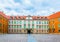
29,7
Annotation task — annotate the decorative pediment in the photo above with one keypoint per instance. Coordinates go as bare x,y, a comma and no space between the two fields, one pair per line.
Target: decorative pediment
29,17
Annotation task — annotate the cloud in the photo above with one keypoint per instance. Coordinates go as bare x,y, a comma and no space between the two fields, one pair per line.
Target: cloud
29,7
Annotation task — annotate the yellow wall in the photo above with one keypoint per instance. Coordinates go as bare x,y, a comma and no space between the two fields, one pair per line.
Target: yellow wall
54,22
4,26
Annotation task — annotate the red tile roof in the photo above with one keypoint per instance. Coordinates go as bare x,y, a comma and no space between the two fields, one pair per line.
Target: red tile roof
17,17
55,15
1,13
24,17
39,17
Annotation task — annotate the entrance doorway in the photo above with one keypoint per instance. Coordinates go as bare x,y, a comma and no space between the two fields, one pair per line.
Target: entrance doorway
29,31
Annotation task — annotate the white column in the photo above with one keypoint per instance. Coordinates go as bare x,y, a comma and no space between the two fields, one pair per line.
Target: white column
22,24
30,24
35,24
26,24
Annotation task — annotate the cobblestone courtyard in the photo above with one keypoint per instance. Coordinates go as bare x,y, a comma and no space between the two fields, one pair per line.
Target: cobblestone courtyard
29,38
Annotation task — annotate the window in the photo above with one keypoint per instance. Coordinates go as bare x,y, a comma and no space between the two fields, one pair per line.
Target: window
17,26
20,26
41,17
32,22
19,17
15,17
18,22
9,26
39,22
10,22
24,25
45,17
59,25
24,22
28,22
58,19
44,22
38,17
14,21
44,26
28,25
59,30
47,22
41,26
11,17
14,26
37,26
32,25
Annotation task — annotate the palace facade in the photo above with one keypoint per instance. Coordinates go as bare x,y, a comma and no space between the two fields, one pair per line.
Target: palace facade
30,24
26,24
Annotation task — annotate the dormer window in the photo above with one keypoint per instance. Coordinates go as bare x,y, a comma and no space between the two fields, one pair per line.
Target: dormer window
23,18
38,17
45,17
11,17
41,17
19,17
15,17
